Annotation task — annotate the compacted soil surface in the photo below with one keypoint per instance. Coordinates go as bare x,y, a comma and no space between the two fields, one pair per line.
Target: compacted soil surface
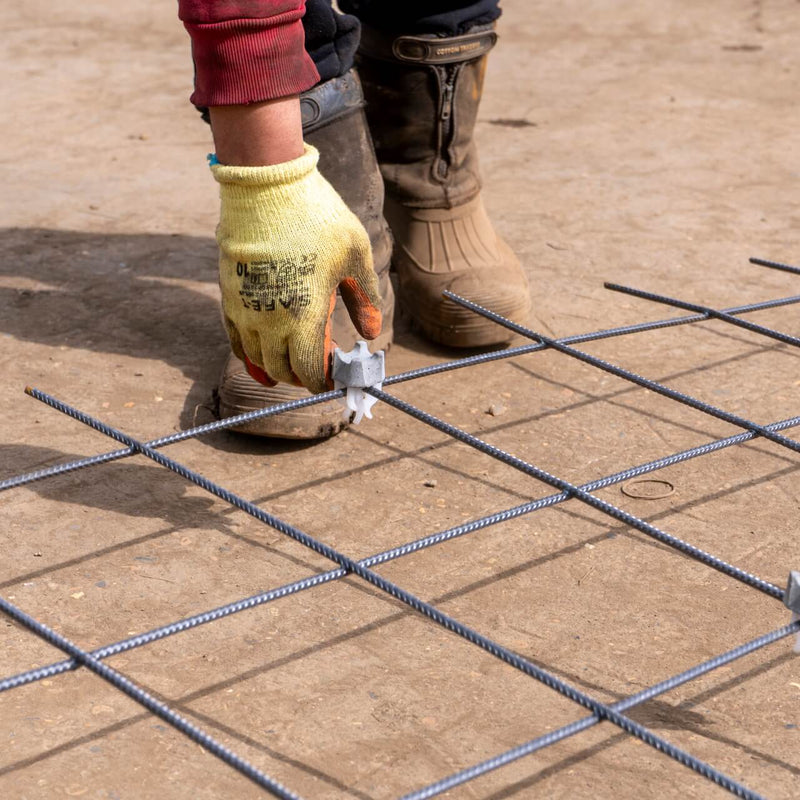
651,144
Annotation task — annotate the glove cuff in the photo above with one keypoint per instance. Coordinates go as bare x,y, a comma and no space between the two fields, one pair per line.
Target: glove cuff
273,175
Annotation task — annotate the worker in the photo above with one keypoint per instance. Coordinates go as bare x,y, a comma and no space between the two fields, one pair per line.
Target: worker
301,99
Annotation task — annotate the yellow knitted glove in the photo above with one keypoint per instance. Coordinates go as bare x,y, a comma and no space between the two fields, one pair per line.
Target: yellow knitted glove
287,241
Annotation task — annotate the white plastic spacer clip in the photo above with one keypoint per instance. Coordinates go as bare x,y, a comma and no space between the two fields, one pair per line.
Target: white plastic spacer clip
791,600
355,371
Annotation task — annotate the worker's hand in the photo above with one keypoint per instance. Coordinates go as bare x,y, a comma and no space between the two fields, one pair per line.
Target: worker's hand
287,241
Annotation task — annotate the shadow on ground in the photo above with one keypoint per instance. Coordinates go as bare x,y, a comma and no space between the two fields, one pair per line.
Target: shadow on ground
149,296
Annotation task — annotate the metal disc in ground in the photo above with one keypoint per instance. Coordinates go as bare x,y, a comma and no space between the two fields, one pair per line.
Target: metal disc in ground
647,489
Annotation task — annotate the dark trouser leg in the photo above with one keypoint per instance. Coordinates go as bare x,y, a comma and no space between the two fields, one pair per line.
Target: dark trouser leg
442,17
331,39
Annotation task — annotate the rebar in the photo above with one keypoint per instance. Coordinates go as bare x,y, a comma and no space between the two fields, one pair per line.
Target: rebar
721,315
172,438
762,262
575,491
627,375
420,372
515,753
295,587
363,568
579,338
495,649
139,695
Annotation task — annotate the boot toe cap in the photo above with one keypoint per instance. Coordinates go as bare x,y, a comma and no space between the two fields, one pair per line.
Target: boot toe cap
457,249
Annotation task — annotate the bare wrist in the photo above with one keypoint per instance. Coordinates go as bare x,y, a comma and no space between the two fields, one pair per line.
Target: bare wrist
258,134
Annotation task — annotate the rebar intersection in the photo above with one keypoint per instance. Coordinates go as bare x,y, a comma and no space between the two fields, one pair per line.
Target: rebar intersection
362,568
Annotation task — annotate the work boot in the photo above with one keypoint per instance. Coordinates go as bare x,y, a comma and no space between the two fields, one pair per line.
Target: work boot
422,102
334,122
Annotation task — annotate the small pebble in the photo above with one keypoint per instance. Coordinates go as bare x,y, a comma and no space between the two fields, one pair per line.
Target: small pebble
430,483
496,409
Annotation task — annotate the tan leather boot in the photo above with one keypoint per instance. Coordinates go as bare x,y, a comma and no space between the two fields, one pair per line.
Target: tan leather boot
334,122
422,97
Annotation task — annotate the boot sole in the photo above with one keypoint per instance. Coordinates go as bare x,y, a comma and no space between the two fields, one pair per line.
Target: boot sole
320,421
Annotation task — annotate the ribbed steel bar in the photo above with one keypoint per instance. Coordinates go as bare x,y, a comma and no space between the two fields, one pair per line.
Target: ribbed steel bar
609,333
762,262
173,438
420,372
164,631
581,494
721,315
632,377
515,753
449,623
202,618
139,695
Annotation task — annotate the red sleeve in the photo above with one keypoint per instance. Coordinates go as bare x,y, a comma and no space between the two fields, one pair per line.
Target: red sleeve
247,50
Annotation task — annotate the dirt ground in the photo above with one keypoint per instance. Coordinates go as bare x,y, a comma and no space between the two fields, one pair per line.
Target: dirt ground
650,143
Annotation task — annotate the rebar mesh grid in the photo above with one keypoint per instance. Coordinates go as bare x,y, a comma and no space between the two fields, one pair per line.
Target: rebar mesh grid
363,568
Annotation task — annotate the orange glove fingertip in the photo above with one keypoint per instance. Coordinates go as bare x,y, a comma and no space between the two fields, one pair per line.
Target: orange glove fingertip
329,346
258,374
367,318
